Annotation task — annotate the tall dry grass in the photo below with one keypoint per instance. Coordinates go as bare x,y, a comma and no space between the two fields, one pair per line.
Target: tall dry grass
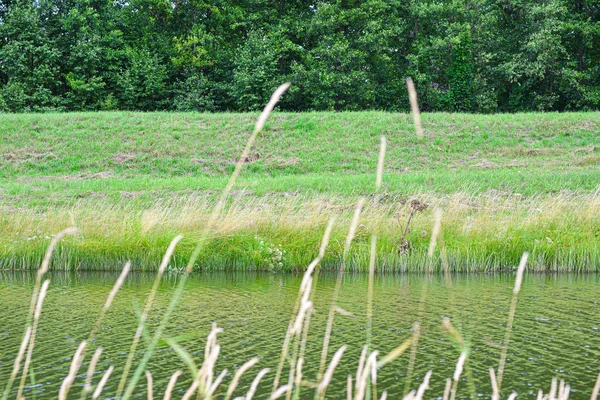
489,232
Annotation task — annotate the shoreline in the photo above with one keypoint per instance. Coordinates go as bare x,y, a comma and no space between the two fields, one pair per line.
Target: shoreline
480,233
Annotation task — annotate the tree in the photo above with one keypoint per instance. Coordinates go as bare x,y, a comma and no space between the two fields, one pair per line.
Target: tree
28,60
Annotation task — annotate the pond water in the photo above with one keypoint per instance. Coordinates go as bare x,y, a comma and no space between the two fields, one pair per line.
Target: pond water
556,330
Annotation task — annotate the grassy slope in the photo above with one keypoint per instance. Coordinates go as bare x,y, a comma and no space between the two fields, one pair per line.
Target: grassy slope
110,172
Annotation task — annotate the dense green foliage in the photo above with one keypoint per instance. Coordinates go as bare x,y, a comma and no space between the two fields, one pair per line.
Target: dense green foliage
464,55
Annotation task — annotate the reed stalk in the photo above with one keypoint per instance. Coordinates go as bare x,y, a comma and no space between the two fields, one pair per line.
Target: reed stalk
255,383
494,381
238,375
45,265
596,389
147,307
87,387
511,317
17,363
36,321
338,284
304,294
29,336
75,365
109,300
418,394
326,380
414,346
414,106
280,392
373,252
209,226
171,385
102,382
457,373
447,389
149,385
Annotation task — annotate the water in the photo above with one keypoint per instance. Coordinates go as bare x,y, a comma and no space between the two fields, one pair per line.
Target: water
556,329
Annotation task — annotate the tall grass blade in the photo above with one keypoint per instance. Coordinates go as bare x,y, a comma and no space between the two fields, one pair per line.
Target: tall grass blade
413,351
596,389
87,387
75,365
338,284
17,363
414,106
46,265
146,311
280,392
424,386
102,382
36,320
209,226
511,318
324,384
494,381
302,298
395,354
238,375
110,299
255,383
171,385
457,373
150,385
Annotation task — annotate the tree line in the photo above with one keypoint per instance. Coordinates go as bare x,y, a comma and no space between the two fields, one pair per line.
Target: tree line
229,55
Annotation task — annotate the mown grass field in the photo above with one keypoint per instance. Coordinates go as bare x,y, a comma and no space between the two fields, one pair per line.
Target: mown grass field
132,181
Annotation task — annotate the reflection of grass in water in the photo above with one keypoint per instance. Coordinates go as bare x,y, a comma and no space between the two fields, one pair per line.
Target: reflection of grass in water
486,233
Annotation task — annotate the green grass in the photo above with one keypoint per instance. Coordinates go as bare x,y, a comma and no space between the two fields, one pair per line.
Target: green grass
109,172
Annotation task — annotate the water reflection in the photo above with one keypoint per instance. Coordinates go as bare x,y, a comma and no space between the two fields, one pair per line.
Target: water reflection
556,330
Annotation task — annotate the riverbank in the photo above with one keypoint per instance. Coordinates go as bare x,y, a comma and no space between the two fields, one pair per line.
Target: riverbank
132,181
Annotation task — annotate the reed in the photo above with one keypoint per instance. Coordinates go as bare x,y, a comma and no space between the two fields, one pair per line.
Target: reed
36,320
146,311
87,387
200,243
414,107
511,318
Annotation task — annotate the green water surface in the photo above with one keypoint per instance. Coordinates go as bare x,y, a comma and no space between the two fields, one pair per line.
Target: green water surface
556,331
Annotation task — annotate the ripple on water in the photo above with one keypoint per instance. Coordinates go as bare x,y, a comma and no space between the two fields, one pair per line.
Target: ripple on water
555,331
